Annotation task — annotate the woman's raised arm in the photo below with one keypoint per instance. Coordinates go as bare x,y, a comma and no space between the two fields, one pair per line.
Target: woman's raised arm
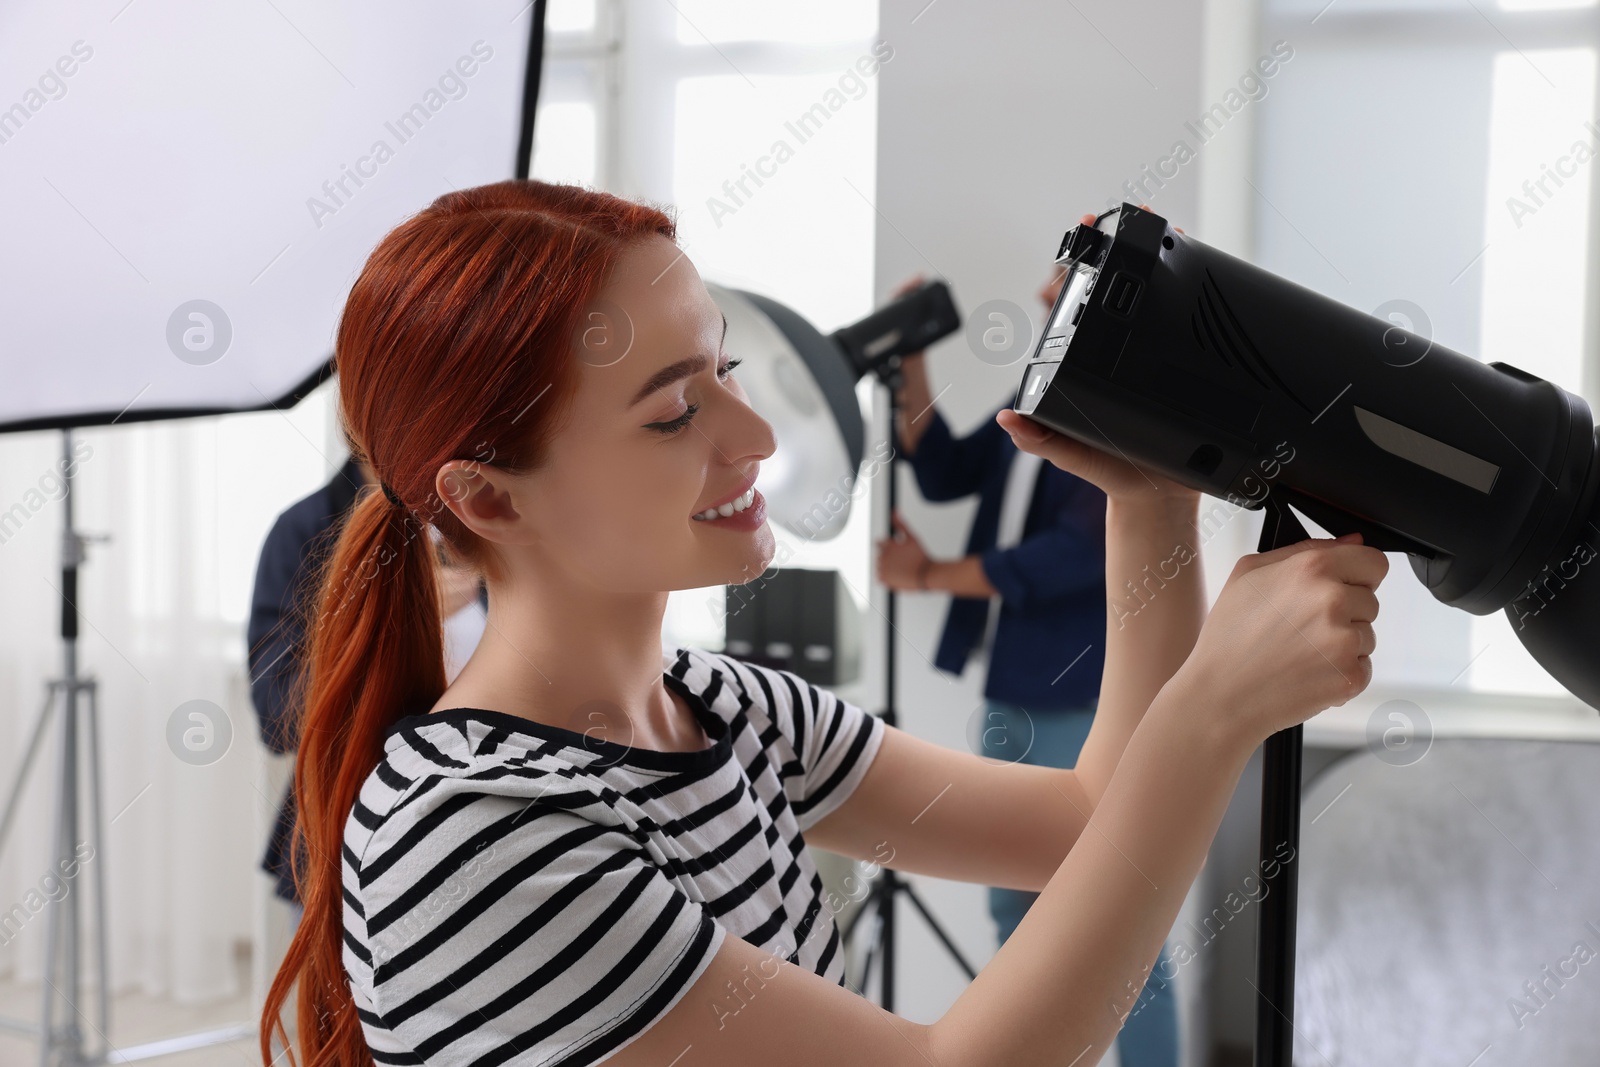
1155,587
1155,605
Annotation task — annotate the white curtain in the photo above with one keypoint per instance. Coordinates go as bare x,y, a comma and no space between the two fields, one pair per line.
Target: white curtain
186,505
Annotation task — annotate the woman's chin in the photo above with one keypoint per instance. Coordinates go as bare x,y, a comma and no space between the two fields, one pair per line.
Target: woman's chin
763,547
751,559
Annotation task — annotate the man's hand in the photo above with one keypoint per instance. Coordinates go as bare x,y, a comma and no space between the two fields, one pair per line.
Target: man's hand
902,561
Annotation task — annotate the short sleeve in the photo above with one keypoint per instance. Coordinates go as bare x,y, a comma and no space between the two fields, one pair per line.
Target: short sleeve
538,936
833,741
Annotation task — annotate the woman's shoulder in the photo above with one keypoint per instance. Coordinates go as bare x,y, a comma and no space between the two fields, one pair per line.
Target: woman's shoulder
463,742
782,706
453,771
732,687
818,743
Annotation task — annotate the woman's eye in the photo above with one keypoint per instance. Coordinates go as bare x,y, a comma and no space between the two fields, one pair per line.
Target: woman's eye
672,426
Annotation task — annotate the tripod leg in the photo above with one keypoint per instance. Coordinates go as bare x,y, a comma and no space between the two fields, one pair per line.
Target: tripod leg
938,931
891,885
872,948
97,842
872,910
71,904
27,763
53,931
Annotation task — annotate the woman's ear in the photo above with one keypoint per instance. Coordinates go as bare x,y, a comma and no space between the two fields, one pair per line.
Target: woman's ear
481,496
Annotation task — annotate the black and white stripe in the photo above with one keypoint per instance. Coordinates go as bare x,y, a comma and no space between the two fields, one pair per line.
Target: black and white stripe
519,893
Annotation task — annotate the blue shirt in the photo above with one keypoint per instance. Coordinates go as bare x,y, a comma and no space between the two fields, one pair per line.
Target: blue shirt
1050,639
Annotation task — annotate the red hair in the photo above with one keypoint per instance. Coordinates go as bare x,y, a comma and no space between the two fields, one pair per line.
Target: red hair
455,343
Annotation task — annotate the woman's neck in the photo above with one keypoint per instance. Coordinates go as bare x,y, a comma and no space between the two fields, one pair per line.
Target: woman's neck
581,659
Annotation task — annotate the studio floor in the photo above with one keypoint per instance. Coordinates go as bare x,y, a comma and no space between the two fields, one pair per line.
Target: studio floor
135,1020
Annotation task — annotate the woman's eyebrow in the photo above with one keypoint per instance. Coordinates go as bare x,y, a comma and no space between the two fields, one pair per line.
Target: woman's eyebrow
683,368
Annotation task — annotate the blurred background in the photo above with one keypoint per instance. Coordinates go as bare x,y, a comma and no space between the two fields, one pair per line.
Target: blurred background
1429,160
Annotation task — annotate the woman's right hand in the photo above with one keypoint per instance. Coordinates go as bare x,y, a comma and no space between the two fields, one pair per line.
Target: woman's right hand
1290,634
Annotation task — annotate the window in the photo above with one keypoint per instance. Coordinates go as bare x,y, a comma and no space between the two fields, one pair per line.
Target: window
1441,154
575,94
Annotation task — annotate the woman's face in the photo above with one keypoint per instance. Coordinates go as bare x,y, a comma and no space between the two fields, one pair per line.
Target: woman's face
660,432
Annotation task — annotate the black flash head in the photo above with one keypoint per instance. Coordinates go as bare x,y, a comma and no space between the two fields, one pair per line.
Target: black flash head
1241,384
906,324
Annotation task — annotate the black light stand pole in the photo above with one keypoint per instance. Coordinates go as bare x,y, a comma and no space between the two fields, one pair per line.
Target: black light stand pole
889,885
1280,825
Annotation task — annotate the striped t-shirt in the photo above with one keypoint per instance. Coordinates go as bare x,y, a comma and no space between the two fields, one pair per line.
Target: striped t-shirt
520,893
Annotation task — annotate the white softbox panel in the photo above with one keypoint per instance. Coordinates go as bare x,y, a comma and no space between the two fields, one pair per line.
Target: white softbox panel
190,188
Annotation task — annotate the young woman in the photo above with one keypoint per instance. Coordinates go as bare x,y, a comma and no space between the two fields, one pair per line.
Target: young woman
584,849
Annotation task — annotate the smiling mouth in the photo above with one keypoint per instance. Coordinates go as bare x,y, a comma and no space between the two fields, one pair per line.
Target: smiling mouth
732,507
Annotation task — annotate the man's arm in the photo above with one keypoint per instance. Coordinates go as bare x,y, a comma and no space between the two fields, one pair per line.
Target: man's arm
946,467
274,635
1066,555
963,577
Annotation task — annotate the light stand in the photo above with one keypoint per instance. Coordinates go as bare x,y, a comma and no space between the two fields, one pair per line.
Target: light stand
876,346
63,1042
889,886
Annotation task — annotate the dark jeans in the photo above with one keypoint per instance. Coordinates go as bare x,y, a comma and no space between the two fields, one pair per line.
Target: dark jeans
1053,738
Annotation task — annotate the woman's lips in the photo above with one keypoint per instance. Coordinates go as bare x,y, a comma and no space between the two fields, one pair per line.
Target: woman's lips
751,518
730,498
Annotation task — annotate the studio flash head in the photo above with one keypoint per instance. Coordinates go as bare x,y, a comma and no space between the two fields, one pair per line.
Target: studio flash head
1241,384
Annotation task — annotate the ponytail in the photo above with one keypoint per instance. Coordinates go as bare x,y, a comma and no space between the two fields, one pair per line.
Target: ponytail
376,653
453,344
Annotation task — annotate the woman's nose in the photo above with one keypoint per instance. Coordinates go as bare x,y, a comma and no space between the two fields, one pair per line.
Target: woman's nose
766,442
